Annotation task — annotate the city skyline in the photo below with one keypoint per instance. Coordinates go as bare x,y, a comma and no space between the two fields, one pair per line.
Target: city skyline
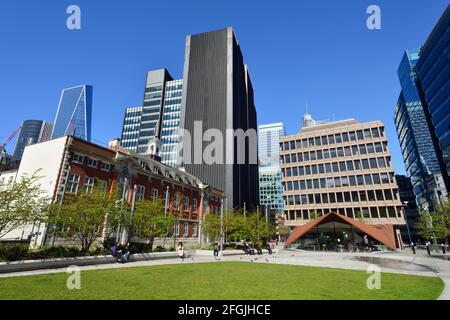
297,91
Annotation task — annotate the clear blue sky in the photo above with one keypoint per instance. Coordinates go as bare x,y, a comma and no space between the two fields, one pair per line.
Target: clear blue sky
297,51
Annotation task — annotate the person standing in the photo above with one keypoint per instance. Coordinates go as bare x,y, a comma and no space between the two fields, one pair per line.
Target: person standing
181,251
443,247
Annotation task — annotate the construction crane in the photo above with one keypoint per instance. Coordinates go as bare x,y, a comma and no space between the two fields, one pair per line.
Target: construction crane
15,132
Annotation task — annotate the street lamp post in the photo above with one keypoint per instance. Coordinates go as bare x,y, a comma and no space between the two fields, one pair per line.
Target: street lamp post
405,204
166,204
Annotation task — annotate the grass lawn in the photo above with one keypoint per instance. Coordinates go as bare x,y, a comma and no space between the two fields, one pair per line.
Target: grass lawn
221,280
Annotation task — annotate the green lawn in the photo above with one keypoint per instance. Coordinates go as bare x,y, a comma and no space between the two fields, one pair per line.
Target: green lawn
221,280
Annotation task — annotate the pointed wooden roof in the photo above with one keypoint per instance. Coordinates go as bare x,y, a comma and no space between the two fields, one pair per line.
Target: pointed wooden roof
383,233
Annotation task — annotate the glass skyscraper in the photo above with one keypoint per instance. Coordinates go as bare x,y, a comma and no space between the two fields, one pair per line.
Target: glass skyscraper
433,70
131,128
74,113
159,116
270,179
171,122
416,137
31,132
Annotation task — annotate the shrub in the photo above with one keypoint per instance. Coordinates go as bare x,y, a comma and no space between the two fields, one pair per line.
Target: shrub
159,249
13,251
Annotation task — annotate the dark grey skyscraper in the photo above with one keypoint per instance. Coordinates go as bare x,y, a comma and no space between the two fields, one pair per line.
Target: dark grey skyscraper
218,92
31,132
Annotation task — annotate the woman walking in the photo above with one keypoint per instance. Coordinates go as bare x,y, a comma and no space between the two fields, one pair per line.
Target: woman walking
181,250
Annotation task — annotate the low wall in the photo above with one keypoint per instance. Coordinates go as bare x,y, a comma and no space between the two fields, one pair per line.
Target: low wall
227,252
30,265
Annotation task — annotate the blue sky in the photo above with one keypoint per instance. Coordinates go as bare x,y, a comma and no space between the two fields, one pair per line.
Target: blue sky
297,51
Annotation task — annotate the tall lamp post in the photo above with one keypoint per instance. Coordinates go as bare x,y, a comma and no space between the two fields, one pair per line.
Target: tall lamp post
405,205
166,205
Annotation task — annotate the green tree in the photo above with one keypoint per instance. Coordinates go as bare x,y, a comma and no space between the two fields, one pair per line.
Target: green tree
258,228
212,227
22,203
85,217
149,220
437,222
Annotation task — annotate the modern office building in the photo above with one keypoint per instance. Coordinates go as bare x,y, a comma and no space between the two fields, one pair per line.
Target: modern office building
31,132
340,169
170,124
74,113
418,143
159,116
218,94
270,180
131,128
433,70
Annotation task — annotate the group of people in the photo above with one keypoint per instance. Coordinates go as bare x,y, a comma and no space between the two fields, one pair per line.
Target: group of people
120,252
251,249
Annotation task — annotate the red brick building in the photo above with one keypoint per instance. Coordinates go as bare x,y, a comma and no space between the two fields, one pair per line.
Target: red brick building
82,165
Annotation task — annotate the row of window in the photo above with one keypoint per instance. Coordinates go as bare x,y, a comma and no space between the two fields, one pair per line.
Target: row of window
337,182
336,167
140,195
356,150
176,229
342,197
365,212
73,184
10,181
91,162
358,135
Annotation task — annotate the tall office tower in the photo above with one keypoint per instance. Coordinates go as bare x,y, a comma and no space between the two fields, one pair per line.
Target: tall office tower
31,132
74,113
131,128
342,167
171,122
155,89
418,143
217,91
159,115
270,181
433,70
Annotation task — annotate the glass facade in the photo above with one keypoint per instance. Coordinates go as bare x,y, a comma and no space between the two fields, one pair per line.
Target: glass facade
433,70
171,122
131,128
416,139
31,132
158,116
270,179
74,113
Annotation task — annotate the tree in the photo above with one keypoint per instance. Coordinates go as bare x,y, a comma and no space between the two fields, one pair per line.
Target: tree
22,203
86,216
212,226
259,228
149,220
437,223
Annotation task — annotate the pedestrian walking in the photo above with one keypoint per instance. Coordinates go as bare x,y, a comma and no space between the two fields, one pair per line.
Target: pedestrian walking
180,250
428,245
443,248
413,248
216,251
